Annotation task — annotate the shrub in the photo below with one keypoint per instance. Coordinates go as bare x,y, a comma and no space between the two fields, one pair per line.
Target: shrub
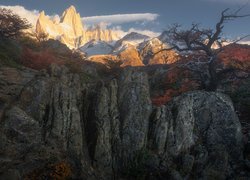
57,171
10,53
177,81
39,60
235,56
11,24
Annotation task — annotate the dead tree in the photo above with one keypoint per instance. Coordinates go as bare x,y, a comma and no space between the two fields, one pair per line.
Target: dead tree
201,39
11,25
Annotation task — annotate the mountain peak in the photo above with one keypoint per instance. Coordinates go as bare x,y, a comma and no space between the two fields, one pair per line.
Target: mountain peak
135,36
72,19
71,9
42,14
69,30
69,14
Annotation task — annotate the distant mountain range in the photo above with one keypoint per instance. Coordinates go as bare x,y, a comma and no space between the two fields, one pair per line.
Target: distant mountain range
134,49
99,44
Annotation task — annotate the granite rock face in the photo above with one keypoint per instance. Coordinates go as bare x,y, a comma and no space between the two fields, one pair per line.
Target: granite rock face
198,129
111,130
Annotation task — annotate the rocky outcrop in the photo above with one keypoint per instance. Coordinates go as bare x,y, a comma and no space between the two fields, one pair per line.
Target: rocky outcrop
107,130
135,108
199,128
12,81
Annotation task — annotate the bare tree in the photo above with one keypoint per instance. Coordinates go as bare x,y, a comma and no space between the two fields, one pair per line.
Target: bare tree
202,39
11,25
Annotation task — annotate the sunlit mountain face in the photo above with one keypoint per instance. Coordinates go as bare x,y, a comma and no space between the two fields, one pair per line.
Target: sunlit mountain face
69,29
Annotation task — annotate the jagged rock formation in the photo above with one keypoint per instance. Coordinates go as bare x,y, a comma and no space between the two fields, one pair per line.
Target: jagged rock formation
111,130
70,29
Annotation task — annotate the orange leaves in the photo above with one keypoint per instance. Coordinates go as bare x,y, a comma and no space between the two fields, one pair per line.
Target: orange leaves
39,60
58,171
236,56
178,80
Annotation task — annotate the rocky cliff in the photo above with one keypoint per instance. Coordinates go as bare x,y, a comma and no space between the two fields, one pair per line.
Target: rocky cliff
70,30
57,125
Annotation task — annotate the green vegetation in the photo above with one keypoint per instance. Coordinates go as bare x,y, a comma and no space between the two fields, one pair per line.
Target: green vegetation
11,24
10,53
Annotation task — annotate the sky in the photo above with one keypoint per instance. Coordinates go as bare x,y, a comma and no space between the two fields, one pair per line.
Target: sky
146,16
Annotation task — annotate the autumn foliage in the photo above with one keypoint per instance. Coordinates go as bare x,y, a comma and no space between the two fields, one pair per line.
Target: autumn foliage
177,81
58,171
180,79
235,56
39,60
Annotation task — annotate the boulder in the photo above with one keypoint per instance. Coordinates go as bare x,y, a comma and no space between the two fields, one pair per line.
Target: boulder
202,130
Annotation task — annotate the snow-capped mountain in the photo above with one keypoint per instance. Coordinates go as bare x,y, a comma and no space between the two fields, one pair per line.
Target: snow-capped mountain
94,47
133,50
131,39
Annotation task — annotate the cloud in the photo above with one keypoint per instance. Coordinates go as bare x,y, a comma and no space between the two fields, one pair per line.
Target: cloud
30,15
145,32
120,32
120,18
230,1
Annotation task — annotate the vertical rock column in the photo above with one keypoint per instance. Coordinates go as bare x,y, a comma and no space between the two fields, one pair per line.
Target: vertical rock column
107,129
135,108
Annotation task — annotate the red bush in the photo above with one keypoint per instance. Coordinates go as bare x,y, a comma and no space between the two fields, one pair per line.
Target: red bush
178,81
235,56
39,60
